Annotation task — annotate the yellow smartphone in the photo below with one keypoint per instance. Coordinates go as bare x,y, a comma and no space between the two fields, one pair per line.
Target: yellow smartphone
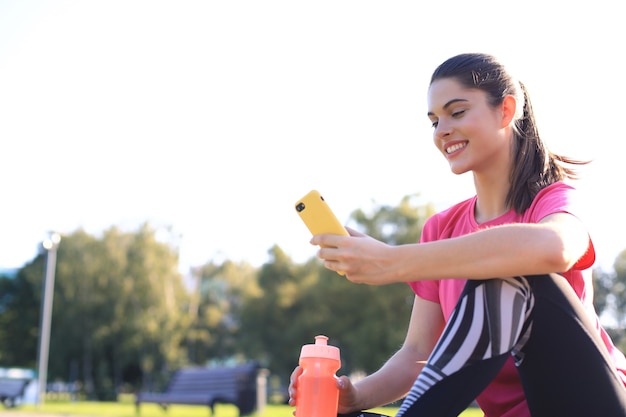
317,215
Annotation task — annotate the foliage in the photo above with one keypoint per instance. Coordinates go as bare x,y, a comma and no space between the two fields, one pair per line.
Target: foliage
395,225
610,299
218,297
19,307
116,311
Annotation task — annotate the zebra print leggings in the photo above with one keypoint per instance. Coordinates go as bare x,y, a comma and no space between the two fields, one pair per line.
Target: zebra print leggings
562,362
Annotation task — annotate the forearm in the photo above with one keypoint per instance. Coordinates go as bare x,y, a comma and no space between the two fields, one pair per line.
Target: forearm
391,382
519,249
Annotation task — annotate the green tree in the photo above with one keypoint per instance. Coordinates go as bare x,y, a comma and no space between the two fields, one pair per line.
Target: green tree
395,225
272,319
610,299
218,298
151,314
118,304
19,315
619,289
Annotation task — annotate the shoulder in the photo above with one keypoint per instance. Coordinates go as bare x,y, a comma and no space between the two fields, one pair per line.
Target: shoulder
559,188
561,198
555,198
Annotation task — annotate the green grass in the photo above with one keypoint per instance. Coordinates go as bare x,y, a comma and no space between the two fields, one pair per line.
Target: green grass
127,409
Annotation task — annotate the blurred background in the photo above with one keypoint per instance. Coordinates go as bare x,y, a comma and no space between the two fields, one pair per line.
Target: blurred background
167,143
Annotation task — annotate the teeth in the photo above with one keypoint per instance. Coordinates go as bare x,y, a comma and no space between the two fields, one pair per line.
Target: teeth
456,147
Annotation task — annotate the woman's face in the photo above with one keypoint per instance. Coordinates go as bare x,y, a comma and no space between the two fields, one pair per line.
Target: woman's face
468,132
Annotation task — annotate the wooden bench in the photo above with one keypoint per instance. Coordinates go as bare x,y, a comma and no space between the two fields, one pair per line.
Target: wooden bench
11,389
208,386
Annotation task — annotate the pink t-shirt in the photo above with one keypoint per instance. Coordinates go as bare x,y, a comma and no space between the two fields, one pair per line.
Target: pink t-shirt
504,397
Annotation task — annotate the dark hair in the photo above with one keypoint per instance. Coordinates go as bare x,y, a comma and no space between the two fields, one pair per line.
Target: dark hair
534,166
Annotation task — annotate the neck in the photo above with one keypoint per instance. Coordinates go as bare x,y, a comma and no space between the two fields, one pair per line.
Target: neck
491,195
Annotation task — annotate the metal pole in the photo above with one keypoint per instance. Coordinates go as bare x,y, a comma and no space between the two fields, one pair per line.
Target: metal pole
50,245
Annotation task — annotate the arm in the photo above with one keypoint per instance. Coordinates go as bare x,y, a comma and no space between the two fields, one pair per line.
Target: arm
396,377
552,245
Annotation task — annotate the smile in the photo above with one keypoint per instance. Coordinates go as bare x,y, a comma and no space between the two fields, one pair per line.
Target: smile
455,147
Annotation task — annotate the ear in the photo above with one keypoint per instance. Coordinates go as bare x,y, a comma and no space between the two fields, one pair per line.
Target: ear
509,107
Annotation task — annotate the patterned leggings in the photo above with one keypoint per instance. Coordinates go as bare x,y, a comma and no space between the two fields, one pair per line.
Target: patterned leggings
562,362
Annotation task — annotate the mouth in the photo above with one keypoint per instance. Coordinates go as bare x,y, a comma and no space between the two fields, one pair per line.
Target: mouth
455,147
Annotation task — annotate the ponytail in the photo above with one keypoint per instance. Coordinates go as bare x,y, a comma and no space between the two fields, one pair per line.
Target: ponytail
534,165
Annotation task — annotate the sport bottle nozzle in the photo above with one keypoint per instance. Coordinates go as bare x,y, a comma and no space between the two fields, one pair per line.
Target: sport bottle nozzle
321,340
320,349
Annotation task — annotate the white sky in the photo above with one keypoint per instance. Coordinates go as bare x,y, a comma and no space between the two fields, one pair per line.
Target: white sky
215,117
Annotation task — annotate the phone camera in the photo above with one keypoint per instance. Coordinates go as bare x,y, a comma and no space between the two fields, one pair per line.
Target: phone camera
300,207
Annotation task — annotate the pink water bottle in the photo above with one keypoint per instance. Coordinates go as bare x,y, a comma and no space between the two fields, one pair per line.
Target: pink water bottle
318,395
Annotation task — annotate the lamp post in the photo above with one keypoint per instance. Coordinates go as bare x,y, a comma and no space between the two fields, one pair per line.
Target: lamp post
50,245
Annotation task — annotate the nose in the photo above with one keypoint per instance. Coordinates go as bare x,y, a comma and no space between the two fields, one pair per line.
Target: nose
443,129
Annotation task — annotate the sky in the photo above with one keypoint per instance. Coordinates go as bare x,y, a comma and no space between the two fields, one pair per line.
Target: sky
210,119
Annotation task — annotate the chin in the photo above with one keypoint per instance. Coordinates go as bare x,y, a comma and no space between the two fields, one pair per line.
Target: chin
457,170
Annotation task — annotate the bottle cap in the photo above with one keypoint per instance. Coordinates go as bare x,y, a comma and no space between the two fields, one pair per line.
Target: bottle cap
320,349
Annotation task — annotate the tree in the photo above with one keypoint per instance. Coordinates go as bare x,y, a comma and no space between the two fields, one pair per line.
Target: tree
118,304
19,315
219,296
619,289
610,298
395,225
272,319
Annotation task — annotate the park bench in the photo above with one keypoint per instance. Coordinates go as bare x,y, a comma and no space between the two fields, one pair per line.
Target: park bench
208,386
11,389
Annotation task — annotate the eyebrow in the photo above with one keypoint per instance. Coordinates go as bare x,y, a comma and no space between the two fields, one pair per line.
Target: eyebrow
448,104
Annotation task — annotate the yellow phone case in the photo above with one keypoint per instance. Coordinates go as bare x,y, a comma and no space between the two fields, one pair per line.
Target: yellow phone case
317,215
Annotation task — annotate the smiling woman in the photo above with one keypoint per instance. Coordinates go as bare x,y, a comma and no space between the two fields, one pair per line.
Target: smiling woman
502,280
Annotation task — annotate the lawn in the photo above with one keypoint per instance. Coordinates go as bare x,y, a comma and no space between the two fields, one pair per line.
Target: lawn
127,409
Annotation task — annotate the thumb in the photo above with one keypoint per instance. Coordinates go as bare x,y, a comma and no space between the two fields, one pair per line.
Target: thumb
343,382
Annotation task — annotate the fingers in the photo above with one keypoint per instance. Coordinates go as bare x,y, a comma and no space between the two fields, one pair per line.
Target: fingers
328,252
327,240
354,233
334,266
293,382
343,383
341,254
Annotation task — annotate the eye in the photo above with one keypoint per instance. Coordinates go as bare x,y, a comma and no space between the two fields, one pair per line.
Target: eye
458,114
434,124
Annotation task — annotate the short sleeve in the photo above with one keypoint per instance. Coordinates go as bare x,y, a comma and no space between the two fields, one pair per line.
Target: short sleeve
428,290
561,198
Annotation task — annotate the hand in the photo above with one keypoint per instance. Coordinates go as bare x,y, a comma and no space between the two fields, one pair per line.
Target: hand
347,396
361,258
347,392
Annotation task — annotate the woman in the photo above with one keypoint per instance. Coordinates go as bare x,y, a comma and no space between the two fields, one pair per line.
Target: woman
503,309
